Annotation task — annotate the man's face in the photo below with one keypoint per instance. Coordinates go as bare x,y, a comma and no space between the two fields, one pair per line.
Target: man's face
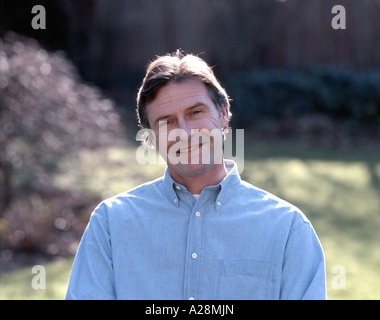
188,126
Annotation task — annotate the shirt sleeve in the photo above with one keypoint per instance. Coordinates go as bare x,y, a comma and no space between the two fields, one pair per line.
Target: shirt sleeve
92,273
303,272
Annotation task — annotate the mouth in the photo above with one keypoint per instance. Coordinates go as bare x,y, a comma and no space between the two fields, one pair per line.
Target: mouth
189,149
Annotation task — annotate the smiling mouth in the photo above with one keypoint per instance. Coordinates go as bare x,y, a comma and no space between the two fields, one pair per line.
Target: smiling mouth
192,148
189,149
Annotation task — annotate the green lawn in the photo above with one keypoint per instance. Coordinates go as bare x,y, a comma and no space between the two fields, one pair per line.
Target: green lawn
340,194
338,191
18,284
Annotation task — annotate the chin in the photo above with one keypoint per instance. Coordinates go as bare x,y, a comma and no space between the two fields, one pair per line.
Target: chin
190,170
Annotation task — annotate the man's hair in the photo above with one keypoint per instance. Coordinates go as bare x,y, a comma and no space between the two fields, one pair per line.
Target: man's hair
177,67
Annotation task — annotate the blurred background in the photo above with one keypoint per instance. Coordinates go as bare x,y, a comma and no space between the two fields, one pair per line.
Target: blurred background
307,95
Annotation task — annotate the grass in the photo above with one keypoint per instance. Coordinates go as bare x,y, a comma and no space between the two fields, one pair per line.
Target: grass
340,194
105,172
18,284
338,191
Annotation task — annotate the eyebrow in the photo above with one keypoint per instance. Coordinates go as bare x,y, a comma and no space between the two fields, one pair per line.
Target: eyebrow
196,105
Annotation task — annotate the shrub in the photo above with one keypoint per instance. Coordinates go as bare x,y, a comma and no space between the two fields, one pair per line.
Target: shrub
344,94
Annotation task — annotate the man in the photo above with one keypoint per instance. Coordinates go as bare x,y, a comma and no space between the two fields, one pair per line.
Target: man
199,232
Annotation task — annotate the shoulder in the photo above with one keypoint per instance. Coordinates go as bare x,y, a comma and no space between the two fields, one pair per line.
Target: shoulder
133,197
272,205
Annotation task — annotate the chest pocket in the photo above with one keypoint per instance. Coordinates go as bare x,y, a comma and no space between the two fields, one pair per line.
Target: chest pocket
246,280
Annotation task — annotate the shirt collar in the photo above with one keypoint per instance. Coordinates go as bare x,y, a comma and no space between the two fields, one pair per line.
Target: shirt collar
226,188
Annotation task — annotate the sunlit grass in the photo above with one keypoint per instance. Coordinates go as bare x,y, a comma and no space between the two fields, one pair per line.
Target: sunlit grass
340,194
338,191
18,284
106,172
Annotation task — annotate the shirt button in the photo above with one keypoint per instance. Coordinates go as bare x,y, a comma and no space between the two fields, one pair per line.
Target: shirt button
175,200
178,187
191,298
194,255
218,203
197,214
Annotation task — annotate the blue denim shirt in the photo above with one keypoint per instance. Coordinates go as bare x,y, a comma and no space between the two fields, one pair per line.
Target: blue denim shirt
235,242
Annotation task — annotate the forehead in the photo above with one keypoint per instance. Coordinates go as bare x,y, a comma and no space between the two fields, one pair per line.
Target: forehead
177,96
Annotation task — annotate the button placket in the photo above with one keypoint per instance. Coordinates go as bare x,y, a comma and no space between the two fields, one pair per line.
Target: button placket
194,255
195,238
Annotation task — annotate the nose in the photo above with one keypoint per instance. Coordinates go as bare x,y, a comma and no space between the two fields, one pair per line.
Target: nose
185,129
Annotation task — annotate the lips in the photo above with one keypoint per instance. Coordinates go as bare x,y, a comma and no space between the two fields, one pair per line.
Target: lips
189,154
188,149
191,148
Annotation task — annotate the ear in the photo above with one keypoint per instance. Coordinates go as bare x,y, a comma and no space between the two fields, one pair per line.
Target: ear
225,119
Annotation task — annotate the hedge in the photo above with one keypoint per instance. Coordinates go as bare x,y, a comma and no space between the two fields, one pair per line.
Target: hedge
348,95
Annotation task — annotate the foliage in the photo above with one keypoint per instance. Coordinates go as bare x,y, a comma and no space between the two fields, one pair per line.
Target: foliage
52,225
45,112
349,96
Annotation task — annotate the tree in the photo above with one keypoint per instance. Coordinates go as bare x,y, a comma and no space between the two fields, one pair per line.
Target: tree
46,112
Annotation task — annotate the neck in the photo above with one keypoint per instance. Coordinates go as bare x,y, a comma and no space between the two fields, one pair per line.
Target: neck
197,181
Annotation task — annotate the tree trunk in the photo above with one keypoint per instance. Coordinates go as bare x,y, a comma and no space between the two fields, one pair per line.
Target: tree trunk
6,192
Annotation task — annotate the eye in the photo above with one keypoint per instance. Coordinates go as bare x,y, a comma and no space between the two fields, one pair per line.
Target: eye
165,123
196,111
